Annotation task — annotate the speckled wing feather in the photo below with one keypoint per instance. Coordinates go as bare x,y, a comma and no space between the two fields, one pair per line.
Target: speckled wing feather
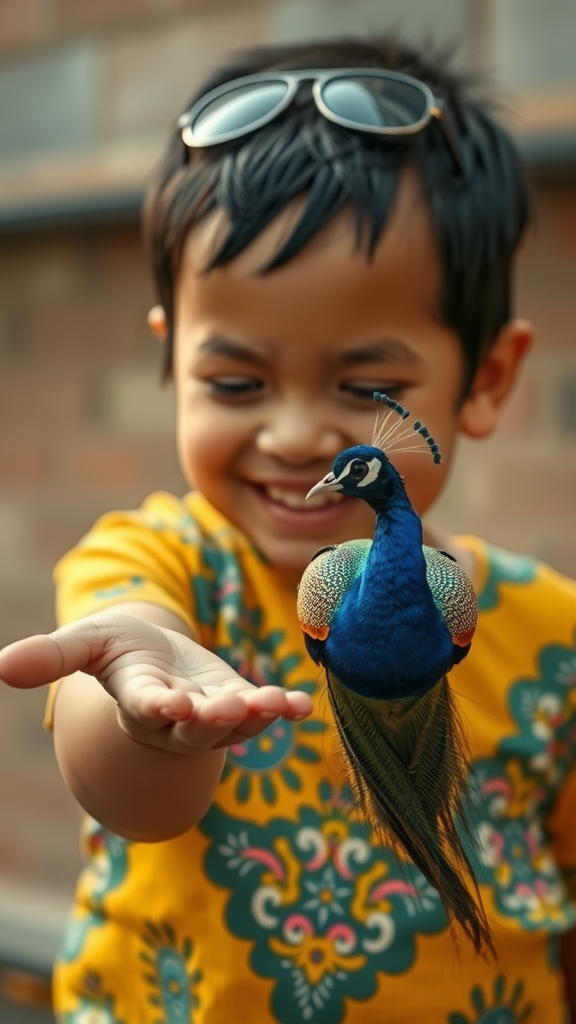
325,581
453,595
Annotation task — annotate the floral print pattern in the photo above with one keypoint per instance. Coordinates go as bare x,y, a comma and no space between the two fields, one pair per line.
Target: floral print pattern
505,1005
513,794
322,903
169,976
504,568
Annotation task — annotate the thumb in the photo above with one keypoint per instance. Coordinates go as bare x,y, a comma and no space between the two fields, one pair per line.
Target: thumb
81,646
32,662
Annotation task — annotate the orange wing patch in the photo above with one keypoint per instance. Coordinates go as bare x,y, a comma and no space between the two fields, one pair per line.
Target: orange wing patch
316,632
463,639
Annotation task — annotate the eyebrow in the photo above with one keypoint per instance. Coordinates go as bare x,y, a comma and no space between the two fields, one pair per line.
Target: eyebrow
218,346
389,350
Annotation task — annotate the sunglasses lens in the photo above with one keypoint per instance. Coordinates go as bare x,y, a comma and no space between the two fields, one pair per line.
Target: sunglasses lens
238,109
375,102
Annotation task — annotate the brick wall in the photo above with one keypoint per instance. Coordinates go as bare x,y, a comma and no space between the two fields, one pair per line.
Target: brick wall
26,24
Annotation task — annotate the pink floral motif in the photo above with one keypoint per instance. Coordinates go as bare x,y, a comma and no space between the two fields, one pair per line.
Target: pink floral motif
394,887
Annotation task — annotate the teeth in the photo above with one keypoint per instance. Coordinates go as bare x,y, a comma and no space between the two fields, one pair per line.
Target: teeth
293,500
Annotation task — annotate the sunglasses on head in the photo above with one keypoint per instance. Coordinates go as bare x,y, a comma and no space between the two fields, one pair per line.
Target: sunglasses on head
384,103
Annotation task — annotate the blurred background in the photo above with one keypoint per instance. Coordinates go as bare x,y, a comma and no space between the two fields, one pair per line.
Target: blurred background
87,88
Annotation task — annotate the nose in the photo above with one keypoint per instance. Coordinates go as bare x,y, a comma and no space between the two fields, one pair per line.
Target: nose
297,435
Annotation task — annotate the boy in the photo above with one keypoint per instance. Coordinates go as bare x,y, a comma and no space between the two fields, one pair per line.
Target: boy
316,237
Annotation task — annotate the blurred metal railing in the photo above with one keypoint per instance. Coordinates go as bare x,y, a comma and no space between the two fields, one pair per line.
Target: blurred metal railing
31,924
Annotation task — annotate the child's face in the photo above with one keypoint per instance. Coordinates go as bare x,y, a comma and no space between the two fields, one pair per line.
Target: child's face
274,374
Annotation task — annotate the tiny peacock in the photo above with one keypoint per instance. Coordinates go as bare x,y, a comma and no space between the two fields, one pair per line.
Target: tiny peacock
387,619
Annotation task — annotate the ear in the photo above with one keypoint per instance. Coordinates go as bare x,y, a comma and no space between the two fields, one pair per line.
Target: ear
495,378
157,323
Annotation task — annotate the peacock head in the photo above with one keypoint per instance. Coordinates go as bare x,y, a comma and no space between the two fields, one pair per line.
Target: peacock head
359,472
365,471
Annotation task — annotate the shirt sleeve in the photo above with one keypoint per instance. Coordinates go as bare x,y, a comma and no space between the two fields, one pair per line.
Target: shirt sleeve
131,556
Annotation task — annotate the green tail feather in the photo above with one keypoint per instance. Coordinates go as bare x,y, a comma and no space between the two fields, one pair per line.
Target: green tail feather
407,766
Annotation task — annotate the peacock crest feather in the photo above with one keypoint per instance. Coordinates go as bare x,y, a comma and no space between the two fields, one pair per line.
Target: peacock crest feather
395,437
387,619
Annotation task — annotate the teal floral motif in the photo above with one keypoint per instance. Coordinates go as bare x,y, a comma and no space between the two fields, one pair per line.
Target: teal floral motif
499,1009
323,907
222,577
268,761
220,590
185,526
108,865
250,651
255,655
187,530
108,859
513,793
121,590
276,743
75,935
513,853
545,710
262,762
220,594
95,1006
168,973
504,567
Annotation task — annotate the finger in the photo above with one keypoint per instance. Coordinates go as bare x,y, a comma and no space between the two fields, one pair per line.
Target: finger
299,705
296,706
212,721
177,721
31,662
289,704
225,718
153,705
265,705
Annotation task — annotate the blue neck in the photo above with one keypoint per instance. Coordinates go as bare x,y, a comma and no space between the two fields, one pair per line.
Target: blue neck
397,546
398,526
389,612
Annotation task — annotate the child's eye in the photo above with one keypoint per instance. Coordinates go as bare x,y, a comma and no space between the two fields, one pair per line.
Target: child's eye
232,386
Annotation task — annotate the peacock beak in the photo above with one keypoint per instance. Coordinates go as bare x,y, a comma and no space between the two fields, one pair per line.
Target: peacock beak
329,483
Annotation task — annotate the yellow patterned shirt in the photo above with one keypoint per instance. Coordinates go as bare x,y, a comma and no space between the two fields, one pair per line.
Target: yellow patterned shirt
280,906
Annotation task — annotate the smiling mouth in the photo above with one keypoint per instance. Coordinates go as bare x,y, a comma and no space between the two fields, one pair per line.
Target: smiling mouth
297,501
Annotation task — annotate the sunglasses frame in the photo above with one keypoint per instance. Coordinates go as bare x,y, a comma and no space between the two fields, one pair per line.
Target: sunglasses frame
434,109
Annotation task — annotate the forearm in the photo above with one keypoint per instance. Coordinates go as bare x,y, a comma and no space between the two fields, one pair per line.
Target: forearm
138,792
143,714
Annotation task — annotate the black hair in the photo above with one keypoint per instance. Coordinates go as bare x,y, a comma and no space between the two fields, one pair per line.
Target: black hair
479,208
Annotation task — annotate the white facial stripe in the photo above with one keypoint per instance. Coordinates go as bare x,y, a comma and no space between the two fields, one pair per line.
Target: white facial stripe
375,466
344,472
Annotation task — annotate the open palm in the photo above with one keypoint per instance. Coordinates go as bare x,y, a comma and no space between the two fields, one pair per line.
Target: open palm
171,692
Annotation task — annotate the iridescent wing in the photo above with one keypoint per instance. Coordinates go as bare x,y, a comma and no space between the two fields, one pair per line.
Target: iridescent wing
324,583
453,595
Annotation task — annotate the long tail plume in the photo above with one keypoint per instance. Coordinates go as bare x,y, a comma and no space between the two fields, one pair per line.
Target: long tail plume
407,767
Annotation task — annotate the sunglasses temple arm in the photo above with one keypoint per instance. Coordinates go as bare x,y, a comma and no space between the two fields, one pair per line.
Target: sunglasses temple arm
442,115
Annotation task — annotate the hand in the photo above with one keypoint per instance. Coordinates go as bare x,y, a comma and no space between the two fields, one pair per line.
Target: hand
172,694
